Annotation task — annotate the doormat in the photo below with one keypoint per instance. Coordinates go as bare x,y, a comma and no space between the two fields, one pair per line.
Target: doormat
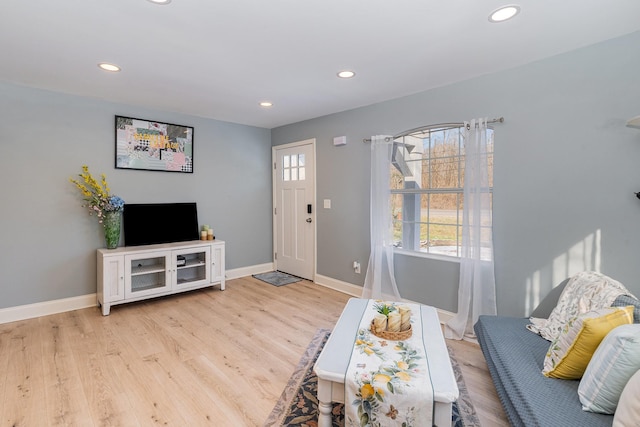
277,278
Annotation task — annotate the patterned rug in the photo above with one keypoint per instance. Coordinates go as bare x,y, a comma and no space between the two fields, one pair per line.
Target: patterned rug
277,278
298,405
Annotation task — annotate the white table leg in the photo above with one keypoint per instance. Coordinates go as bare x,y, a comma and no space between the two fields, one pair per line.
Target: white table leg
442,414
324,403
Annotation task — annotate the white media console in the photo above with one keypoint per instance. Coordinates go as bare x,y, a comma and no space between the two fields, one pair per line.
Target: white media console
134,273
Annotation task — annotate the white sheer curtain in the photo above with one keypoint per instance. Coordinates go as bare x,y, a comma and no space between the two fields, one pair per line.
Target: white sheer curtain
380,283
477,287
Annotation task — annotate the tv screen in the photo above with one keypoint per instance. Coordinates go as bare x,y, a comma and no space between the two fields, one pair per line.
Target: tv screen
153,223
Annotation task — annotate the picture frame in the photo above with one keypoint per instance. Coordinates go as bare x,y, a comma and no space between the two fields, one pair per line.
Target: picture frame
153,146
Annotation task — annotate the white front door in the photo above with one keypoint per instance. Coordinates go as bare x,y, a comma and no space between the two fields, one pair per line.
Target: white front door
295,210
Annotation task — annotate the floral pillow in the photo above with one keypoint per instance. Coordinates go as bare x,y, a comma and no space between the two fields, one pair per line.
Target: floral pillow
570,353
584,292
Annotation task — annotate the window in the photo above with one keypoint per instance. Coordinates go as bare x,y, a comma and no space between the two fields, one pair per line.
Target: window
427,181
293,168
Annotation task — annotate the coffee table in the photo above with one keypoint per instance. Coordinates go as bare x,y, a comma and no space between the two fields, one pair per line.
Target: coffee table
333,362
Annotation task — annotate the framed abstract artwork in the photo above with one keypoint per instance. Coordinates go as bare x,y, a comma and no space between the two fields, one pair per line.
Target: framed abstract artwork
153,146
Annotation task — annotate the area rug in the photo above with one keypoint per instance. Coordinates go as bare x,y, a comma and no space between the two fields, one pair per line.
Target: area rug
277,278
298,405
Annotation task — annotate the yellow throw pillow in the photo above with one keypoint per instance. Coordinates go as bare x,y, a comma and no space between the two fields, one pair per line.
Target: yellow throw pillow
570,353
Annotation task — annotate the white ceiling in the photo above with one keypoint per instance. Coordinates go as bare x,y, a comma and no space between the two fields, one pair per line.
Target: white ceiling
219,59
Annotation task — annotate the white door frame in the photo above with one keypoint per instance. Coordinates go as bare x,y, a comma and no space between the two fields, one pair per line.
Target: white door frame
274,150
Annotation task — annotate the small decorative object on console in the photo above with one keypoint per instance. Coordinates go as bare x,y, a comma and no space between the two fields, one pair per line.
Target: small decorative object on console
207,233
391,322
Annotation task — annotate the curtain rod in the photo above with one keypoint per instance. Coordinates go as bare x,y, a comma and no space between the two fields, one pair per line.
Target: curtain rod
436,126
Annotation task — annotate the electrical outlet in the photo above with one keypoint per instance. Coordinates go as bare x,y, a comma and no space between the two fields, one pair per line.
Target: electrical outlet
356,267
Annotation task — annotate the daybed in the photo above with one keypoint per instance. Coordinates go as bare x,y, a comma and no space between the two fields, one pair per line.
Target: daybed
515,359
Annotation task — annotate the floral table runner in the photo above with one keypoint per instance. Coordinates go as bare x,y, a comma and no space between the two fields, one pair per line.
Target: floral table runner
388,382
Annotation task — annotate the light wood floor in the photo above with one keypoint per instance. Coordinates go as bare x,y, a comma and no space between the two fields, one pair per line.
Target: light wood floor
207,357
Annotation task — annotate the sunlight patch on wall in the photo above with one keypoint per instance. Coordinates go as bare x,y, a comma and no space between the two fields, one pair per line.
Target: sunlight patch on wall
533,291
585,255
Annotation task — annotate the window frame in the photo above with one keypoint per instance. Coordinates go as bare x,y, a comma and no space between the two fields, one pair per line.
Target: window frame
422,135
293,167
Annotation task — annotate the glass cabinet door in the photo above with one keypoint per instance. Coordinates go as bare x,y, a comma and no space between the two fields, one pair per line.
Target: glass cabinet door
148,274
191,266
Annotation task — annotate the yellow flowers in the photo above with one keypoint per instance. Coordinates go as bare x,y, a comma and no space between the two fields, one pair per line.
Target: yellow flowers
365,346
404,376
104,184
402,365
366,391
381,378
91,187
96,194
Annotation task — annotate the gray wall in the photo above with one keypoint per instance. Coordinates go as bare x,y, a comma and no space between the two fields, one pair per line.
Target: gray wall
48,241
566,168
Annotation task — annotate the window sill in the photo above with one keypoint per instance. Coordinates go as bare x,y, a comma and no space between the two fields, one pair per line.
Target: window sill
426,255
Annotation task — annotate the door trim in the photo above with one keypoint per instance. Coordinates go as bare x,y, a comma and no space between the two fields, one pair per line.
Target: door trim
274,150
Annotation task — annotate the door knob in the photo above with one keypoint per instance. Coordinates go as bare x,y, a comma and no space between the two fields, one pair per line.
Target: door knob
308,219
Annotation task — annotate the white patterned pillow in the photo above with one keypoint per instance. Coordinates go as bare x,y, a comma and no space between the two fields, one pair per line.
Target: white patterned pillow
628,412
614,362
584,292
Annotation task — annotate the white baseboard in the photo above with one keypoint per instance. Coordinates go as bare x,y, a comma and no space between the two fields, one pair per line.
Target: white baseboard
339,285
444,315
356,291
29,311
236,273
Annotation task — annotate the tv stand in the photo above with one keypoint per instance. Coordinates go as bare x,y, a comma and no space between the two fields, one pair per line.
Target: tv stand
134,273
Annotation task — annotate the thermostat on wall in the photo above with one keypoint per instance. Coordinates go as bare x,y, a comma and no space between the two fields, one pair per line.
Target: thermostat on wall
340,140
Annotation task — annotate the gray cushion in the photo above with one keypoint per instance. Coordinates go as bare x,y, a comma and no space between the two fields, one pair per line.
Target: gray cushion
625,300
546,306
515,357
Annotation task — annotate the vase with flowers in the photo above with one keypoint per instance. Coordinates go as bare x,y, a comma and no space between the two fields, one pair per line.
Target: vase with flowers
105,206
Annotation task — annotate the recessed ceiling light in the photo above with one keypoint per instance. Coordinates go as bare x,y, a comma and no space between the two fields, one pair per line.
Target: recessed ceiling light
346,74
503,13
109,67
160,1
266,104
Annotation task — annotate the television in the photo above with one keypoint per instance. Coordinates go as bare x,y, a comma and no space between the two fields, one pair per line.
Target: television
153,223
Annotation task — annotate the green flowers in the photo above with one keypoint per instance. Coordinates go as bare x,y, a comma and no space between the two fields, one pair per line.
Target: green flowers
384,308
